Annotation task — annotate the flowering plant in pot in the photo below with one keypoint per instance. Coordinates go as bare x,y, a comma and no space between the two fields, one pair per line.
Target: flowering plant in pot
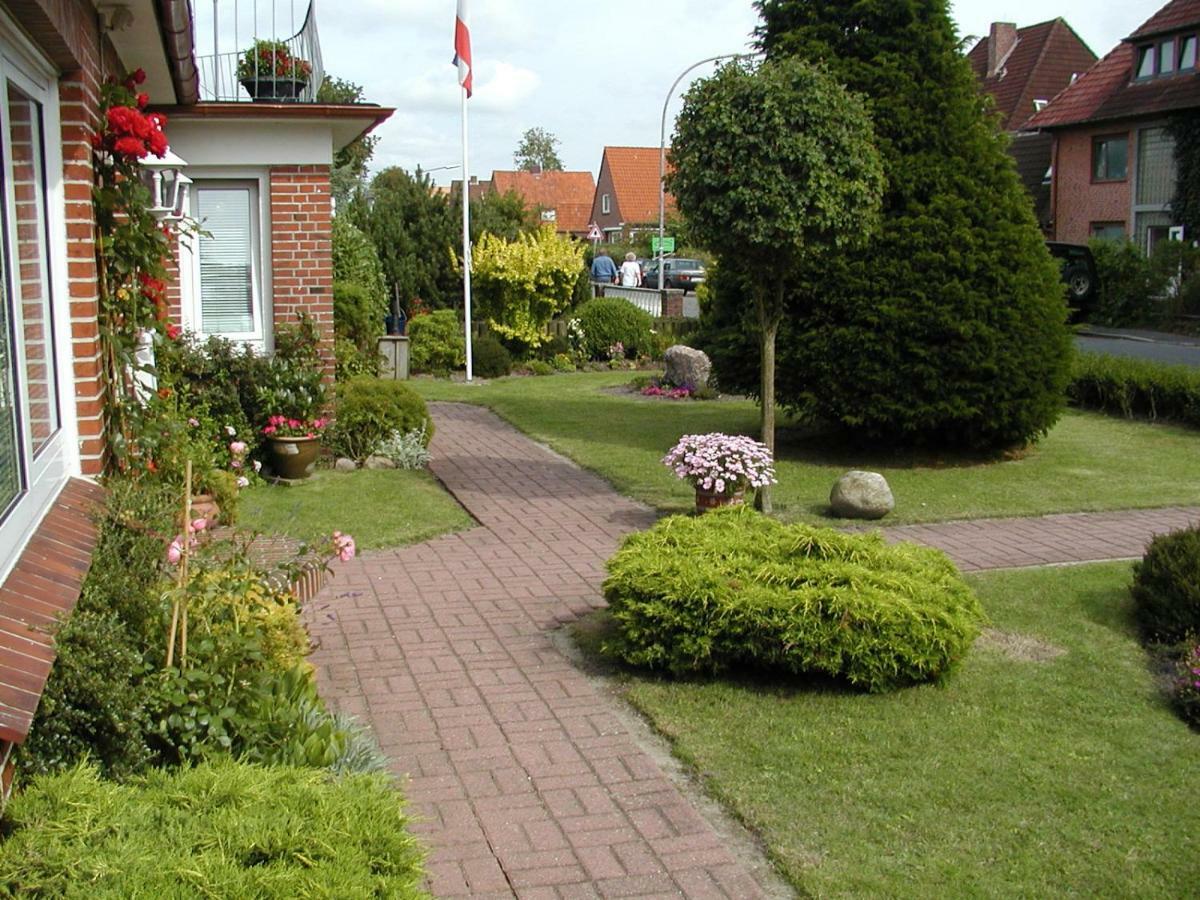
721,467
269,71
293,444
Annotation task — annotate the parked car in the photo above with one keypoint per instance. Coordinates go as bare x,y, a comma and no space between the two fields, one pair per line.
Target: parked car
683,274
1078,272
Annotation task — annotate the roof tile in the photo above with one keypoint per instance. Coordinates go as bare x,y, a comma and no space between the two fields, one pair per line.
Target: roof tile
635,181
568,193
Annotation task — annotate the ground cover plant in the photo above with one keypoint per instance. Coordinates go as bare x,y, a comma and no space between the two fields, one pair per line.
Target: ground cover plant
735,589
389,507
1088,461
1049,765
222,829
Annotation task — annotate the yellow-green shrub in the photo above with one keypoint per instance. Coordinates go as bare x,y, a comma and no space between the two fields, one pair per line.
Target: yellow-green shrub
519,285
734,589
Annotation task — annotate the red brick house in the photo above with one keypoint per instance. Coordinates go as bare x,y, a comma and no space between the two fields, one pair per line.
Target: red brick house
260,180
1021,69
626,199
1113,159
561,198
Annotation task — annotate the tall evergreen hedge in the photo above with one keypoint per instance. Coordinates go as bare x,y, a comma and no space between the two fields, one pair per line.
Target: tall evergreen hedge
949,328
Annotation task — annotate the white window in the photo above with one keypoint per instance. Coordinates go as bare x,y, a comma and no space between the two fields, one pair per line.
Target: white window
227,274
36,433
605,204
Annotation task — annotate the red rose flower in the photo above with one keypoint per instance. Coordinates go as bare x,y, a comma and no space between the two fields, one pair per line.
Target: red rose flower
173,331
130,147
138,76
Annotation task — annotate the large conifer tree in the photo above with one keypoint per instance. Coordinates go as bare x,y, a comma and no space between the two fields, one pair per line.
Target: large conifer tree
948,329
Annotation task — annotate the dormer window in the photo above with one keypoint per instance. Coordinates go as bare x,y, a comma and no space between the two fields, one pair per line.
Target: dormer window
1166,56
1187,52
1145,66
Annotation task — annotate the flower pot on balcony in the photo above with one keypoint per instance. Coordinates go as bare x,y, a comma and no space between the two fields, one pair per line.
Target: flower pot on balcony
274,90
293,457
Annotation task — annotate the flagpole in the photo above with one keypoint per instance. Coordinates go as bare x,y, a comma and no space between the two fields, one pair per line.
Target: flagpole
466,227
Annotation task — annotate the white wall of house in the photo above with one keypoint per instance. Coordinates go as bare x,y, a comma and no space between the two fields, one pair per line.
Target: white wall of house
230,163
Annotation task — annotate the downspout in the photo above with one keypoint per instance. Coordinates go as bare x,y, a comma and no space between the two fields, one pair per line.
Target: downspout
177,26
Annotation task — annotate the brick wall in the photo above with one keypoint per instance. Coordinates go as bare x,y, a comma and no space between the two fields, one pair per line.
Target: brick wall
1078,201
79,104
301,250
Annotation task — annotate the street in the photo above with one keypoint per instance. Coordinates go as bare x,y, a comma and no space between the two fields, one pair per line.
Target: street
1154,346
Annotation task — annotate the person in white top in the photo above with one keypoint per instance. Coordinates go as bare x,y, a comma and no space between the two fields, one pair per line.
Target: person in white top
631,272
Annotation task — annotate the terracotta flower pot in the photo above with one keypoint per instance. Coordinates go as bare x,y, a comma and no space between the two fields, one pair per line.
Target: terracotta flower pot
293,457
204,506
706,500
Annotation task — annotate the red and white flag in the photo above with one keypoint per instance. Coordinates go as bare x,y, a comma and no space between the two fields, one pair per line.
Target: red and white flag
462,47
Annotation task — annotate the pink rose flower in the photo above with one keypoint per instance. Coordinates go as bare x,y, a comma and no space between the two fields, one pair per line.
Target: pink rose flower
243,482
237,448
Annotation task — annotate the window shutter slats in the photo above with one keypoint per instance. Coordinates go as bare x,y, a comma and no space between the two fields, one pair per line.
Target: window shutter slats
226,261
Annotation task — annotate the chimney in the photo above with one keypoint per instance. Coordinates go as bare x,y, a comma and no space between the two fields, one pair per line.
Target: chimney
1001,40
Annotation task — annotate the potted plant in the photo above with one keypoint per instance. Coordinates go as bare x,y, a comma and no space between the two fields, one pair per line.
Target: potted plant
270,73
721,467
215,496
293,445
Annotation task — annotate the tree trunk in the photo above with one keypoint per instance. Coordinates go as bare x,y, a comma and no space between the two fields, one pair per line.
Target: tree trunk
769,315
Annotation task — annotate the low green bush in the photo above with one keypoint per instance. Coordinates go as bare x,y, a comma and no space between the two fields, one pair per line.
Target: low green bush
1185,693
221,829
553,346
369,410
1166,587
436,342
540,367
1135,388
607,321
489,357
563,362
734,588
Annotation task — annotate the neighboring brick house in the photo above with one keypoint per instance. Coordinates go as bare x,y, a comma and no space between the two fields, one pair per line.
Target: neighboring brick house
562,198
274,157
1022,69
626,199
1113,159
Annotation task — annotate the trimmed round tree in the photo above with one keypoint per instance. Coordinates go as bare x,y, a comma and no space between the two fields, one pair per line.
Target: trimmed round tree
949,328
774,165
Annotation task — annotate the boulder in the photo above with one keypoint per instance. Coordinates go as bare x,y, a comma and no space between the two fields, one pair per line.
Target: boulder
686,366
861,495
345,465
378,462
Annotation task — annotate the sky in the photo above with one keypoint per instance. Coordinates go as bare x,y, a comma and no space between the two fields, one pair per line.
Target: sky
592,74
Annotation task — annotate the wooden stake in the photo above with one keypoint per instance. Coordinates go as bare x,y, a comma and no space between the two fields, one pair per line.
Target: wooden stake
180,603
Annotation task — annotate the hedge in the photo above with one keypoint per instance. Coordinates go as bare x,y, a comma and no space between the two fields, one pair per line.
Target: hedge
1136,388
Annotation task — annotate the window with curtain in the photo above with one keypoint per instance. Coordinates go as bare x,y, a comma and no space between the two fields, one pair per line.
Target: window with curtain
228,273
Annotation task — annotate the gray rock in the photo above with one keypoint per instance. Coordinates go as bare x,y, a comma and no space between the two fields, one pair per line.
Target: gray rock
687,366
345,465
861,495
378,462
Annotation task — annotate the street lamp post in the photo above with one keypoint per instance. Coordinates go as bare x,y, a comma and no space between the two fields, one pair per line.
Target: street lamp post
662,153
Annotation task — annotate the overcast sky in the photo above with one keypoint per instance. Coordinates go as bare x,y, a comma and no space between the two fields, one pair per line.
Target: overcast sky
593,74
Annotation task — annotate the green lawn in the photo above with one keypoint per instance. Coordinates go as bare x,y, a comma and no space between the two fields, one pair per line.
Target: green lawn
1088,462
380,508
1018,778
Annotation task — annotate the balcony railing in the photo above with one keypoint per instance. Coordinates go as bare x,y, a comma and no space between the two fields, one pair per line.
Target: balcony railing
219,77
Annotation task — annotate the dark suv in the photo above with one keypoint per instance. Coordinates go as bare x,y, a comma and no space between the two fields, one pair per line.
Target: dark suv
683,274
1078,272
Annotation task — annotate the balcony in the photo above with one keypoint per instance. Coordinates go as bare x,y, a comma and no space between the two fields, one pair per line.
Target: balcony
284,70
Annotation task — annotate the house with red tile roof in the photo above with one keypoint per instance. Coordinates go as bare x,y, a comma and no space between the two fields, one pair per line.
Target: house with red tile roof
626,198
1113,160
1021,69
562,198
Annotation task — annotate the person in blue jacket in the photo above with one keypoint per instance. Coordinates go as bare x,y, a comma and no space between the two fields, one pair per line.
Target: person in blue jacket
604,269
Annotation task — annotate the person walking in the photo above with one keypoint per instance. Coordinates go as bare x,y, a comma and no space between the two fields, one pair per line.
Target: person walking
631,272
604,270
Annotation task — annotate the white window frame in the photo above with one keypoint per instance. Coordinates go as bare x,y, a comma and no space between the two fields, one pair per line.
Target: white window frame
45,473
605,204
261,337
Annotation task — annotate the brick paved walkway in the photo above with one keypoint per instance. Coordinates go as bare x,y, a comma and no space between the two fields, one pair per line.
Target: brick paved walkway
526,782
523,778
